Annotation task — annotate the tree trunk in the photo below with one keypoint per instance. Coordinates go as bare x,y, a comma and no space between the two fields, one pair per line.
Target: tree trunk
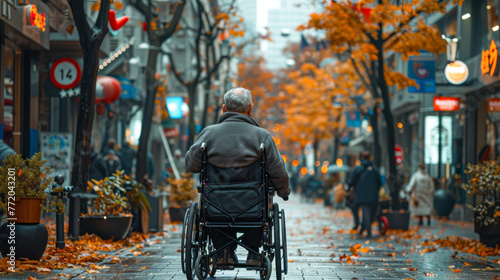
147,115
377,155
83,145
391,176
191,124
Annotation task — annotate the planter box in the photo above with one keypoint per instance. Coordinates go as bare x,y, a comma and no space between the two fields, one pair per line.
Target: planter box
177,213
398,220
156,213
488,235
106,227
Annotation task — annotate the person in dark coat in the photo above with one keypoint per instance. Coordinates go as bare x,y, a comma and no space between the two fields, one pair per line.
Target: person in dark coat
112,162
97,169
367,182
234,143
127,155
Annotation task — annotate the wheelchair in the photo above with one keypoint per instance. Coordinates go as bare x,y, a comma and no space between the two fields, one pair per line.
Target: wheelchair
226,202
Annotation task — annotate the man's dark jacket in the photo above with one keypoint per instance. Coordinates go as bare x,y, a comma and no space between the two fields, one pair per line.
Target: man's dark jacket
234,142
366,181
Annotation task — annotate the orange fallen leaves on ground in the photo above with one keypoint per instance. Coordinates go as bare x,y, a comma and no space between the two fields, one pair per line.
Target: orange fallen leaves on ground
429,274
83,253
453,269
144,268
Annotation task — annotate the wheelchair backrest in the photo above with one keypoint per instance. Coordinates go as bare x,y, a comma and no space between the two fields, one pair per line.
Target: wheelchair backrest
234,194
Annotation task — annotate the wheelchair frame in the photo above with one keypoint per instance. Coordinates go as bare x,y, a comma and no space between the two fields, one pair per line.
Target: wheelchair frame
198,255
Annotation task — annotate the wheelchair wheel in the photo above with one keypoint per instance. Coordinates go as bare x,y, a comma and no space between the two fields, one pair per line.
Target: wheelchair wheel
283,242
191,241
383,225
204,267
265,273
277,244
183,241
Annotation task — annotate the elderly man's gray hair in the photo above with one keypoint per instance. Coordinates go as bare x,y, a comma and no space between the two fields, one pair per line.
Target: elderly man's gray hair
238,99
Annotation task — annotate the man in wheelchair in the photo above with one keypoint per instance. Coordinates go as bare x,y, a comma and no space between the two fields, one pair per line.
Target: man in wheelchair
234,143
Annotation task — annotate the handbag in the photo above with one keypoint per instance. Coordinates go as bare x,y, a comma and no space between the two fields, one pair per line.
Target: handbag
339,193
414,200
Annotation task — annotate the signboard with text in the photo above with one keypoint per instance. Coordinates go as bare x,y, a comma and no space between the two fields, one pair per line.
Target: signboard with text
446,103
493,105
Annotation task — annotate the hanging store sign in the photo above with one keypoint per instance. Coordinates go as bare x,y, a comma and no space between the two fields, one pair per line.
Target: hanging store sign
34,18
446,103
399,154
456,72
489,60
493,105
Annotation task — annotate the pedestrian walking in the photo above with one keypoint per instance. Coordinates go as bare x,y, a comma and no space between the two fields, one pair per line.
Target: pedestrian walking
179,162
97,169
234,143
421,190
112,162
127,155
366,181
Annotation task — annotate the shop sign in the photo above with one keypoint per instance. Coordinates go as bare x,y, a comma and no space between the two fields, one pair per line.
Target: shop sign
35,19
493,104
398,154
456,72
422,69
489,60
446,103
435,133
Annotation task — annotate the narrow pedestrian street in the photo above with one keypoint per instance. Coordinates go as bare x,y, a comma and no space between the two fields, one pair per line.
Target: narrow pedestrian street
320,246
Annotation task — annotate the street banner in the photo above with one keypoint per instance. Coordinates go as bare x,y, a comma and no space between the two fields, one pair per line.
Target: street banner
422,69
56,149
434,134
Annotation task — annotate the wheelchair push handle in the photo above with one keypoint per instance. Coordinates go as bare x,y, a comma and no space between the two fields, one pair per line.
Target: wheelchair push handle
261,148
203,146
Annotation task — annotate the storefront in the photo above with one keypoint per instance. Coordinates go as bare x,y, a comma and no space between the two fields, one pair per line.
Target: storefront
24,32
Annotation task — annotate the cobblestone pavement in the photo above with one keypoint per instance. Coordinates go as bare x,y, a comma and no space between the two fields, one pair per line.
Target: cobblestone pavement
318,237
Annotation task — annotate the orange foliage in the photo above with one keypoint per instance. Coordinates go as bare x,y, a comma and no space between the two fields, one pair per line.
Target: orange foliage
387,29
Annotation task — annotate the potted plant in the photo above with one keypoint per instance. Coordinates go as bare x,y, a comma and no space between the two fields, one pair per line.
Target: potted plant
484,185
22,192
181,194
110,214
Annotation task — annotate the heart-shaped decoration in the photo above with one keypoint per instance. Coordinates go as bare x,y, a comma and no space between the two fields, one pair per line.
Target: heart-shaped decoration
422,72
116,23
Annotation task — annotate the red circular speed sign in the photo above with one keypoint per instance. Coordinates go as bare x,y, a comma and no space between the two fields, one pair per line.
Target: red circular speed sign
399,154
65,73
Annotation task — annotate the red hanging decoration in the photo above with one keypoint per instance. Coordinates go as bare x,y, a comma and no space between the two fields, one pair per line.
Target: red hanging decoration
116,23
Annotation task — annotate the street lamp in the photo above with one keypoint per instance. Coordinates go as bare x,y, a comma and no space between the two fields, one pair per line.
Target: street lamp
225,48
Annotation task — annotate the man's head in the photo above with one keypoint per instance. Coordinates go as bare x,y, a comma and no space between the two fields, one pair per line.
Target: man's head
238,100
421,166
365,155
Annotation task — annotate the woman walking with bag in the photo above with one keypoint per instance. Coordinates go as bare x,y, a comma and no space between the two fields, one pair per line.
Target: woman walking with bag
421,190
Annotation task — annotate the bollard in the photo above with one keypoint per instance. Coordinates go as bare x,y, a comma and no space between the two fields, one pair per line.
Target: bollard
58,191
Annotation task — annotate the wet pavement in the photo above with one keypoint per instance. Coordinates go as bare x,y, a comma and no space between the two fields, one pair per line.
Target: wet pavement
320,246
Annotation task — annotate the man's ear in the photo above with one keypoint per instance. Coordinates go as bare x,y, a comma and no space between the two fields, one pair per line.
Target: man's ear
250,110
224,109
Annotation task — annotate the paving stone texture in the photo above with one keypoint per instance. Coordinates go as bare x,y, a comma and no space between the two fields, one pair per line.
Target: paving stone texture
317,239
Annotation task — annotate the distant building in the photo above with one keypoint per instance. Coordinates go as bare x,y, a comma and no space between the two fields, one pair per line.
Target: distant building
289,15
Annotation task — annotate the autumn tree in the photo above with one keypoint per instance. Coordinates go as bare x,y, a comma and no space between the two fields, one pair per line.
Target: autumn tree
158,31
367,33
